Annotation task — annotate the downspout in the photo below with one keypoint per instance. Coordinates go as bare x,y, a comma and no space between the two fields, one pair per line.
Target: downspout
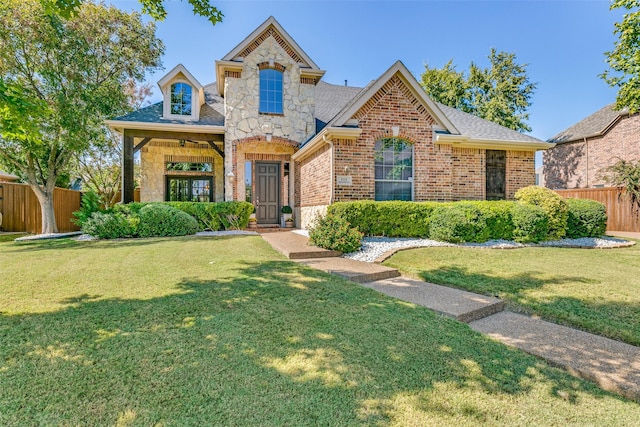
332,167
586,144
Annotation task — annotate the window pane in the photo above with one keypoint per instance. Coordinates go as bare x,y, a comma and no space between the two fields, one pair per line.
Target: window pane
180,99
393,159
271,91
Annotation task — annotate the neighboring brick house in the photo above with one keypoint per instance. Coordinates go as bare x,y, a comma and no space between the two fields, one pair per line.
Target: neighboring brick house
270,131
584,149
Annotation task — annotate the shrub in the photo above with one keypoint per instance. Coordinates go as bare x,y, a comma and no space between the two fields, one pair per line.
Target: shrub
286,210
498,217
458,222
217,216
90,203
393,218
552,203
159,220
111,225
586,218
530,223
335,233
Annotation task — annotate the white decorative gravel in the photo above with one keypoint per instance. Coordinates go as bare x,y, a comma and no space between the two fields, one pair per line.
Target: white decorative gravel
374,247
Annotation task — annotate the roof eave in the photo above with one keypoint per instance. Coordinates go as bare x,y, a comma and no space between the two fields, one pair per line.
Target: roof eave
321,138
120,125
463,141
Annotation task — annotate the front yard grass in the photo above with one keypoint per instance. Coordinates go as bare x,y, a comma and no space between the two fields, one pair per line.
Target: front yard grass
224,331
597,290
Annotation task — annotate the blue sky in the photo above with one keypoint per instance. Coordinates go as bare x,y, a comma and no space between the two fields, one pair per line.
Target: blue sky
562,41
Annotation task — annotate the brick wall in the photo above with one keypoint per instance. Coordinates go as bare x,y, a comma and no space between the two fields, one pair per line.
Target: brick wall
578,164
521,171
468,175
313,178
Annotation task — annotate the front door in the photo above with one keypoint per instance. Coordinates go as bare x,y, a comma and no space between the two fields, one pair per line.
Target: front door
267,193
496,174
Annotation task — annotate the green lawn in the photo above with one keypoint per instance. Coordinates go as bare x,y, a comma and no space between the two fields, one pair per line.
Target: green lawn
595,290
224,331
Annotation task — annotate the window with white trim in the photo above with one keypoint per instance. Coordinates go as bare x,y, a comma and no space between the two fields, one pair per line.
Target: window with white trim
393,169
180,99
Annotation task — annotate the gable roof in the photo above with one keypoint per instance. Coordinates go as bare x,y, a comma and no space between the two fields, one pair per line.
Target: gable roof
271,27
596,124
398,68
211,113
179,69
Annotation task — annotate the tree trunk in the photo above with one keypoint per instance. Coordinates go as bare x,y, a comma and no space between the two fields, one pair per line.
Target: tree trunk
45,198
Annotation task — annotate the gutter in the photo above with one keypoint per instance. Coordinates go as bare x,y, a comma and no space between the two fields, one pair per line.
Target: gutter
318,140
464,141
331,167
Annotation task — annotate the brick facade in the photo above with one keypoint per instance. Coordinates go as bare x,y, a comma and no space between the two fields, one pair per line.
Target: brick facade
578,164
521,171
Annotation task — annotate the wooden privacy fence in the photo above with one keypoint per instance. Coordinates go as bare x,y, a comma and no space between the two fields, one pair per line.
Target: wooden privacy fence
21,210
619,212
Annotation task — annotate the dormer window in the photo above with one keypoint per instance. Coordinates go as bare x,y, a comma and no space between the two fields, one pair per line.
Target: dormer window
271,91
181,99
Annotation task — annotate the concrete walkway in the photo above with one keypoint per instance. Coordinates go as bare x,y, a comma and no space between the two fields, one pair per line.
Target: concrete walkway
613,365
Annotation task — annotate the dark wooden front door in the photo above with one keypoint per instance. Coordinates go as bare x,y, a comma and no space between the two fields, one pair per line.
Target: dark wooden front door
496,174
267,193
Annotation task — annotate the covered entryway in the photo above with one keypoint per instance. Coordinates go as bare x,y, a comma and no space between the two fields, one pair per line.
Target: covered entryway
267,200
496,174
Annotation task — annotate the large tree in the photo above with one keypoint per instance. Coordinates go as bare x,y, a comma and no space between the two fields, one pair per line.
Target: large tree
153,8
624,59
100,167
500,93
59,79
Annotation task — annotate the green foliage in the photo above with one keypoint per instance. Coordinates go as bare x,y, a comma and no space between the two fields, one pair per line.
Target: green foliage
458,222
159,220
626,175
111,225
530,223
501,93
586,218
334,233
286,210
552,203
623,60
154,8
90,203
392,218
60,78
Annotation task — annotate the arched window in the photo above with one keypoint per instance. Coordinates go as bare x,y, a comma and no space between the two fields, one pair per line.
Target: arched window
271,91
181,99
393,169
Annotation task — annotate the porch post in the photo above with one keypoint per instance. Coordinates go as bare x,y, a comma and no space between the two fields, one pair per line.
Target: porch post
127,168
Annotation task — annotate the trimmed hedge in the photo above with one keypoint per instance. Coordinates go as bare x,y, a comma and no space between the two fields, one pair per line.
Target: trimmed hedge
335,233
217,216
586,218
392,219
530,223
553,204
158,220
458,222
154,219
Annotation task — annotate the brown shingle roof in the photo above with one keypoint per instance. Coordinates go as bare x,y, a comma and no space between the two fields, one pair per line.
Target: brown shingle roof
594,125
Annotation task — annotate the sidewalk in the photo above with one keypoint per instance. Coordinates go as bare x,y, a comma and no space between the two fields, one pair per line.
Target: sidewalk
613,365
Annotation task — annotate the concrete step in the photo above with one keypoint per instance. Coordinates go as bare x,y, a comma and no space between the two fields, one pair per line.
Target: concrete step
460,305
296,246
613,365
356,271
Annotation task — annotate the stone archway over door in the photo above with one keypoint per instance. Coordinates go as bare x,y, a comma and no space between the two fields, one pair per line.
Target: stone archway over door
267,198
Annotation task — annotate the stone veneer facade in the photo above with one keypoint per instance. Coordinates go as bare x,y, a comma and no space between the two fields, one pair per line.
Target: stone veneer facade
155,154
242,117
579,164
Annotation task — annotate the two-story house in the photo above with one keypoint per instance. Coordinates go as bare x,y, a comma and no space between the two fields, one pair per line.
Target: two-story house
272,132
